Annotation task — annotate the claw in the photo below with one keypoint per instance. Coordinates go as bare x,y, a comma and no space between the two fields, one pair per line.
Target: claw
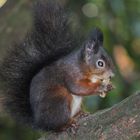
73,128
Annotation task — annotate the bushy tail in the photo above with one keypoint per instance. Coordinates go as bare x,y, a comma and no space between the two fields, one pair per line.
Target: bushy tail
48,40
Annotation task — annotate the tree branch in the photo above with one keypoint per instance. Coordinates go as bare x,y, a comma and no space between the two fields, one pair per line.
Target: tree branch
120,122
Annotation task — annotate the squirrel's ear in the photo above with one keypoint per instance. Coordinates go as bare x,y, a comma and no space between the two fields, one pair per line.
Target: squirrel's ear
90,48
95,40
93,43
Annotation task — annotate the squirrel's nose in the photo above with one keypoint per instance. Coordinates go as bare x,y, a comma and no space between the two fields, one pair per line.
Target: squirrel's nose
111,75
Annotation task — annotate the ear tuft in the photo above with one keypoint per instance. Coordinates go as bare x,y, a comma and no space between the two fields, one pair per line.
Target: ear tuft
94,42
97,36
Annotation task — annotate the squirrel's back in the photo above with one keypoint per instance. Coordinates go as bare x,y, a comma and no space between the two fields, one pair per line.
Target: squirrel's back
50,38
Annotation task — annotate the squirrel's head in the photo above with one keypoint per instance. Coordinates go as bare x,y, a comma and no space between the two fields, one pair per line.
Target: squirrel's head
97,62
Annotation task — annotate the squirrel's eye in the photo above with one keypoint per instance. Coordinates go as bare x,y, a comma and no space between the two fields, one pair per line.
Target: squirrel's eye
100,63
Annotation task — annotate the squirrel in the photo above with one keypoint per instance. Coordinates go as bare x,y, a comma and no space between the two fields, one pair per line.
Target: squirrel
46,76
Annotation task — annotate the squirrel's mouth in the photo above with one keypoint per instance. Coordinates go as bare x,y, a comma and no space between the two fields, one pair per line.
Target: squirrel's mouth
105,85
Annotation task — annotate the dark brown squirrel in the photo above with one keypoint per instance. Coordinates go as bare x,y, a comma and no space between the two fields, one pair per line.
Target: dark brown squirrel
45,77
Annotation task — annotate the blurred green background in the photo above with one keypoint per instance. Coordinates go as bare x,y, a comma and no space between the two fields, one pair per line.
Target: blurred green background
120,23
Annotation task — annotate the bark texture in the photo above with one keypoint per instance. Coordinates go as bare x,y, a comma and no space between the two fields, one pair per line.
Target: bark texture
120,122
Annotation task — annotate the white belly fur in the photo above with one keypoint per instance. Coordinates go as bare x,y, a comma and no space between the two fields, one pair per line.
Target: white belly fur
76,104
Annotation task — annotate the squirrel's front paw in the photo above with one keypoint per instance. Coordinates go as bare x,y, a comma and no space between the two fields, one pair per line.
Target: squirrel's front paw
105,88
